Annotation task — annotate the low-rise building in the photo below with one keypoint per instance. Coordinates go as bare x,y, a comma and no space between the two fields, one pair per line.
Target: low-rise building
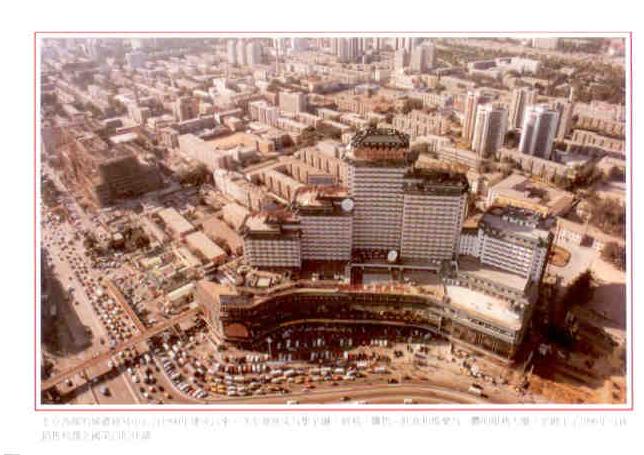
418,123
583,234
205,248
174,223
519,191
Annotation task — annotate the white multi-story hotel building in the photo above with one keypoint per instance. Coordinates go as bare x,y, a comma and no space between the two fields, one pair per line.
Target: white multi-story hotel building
509,239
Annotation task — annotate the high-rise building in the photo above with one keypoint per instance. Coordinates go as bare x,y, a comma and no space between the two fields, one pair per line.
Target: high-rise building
253,53
135,59
564,108
348,49
231,51
489,129
391,209
376,187
299,44
333,45
326,224
292,101
272,240
415,213
434,207
364,44
538,131
408,44
186,108
422,58
472,101
240,50
521,99
401,59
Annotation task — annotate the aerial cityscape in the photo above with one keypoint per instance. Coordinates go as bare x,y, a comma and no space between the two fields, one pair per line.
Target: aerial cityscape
345,220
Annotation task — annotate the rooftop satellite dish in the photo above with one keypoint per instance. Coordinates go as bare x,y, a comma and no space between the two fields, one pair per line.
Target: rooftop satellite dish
347,205
392,256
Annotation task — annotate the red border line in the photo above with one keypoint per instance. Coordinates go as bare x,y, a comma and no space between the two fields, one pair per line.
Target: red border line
197,408
368,408
35,207
309,32
632,333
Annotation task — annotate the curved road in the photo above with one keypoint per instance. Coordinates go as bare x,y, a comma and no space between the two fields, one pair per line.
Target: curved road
372,394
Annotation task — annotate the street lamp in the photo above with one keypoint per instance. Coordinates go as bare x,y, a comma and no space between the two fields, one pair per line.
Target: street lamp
269,341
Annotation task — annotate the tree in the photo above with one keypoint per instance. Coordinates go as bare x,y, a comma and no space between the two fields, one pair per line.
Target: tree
615,254
608,215
410,105
617,174
274,86
196,176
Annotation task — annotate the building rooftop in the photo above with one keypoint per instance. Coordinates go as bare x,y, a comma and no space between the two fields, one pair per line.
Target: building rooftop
201,243
271,223
519,222
175,222
484,306
435,179
380,137
216,228
587,229
472,222
522,191
327,200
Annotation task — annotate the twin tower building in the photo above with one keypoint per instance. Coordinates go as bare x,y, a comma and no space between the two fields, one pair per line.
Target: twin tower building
391,211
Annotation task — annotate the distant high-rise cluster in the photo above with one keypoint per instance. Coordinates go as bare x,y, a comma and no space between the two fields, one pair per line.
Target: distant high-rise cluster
521,99
239,52
348,49
472,101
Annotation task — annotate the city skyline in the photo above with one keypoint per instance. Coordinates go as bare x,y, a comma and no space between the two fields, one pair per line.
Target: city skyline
315,219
